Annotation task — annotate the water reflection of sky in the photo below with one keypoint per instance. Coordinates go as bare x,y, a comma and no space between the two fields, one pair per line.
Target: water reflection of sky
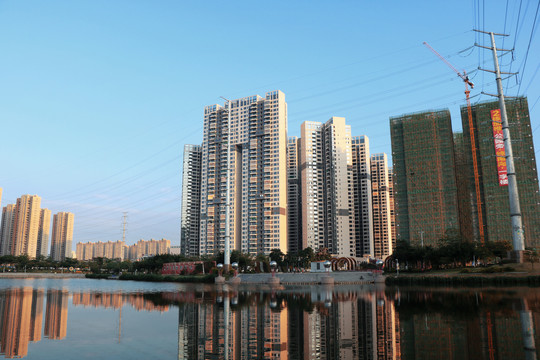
80,318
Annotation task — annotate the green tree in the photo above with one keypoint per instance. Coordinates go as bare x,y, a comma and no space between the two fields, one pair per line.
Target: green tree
532,256
306,256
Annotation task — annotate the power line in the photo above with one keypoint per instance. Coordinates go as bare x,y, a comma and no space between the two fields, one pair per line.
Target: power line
529,46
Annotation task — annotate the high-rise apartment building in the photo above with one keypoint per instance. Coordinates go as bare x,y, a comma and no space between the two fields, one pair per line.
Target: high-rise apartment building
294,204
392,206
191,200
326,186
44,231
25,226
257,134
491,168
382,218
311,185
425,182
62,236
363,210
6,231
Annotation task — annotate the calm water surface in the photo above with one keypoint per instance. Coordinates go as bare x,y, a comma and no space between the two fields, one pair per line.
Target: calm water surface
99,319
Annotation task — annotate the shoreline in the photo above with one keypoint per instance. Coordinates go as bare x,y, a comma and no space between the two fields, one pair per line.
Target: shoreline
19,275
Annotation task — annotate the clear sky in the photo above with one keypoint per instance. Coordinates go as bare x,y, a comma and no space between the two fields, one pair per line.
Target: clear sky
97,98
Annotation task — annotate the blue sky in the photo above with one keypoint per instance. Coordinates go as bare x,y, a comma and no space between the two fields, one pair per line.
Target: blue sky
97,98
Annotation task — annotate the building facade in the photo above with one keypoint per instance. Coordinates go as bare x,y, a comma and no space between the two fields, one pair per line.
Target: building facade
363,209
6,230
326,187
191,200
44,231
294,204
62,236
382,217
425,182
494,195
25,226
257,133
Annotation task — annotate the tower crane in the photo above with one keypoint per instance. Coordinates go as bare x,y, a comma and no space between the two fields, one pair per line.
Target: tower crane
468,83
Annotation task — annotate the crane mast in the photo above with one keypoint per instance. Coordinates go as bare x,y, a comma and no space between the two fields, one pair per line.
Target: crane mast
468,83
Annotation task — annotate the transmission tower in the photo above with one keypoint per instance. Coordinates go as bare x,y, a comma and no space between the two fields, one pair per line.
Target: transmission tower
124,225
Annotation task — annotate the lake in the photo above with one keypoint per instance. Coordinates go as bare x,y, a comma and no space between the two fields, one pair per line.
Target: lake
107,319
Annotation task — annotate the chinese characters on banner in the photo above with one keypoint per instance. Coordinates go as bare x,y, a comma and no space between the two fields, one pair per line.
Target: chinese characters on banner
499,147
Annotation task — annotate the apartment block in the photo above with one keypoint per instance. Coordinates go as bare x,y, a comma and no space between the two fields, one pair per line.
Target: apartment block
392,206
6,230
494,200
44,231
84,251
257,134
25,226
294,204
62,236
148,248
382,218
191,200
425,181
326,186
312,185
363,210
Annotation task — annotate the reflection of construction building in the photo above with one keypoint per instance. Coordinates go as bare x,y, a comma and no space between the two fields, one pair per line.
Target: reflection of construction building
382,217
56,314
494,197
425,182
191,201
363,210
294,214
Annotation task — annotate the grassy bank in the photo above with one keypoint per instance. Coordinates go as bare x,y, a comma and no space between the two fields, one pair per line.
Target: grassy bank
158,278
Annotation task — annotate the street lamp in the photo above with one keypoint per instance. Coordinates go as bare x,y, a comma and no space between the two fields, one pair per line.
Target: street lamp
227,254
327,265
219,267
273,266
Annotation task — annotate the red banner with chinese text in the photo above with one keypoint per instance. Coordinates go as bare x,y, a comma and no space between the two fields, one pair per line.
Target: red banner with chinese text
500,155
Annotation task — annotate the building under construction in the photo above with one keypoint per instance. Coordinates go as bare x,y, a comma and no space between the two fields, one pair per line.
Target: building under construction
494,194
425,182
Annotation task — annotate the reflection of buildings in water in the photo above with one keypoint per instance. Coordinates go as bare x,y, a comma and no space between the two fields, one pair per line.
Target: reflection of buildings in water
116,301
56,314
320,325
22,312
468,326
254,331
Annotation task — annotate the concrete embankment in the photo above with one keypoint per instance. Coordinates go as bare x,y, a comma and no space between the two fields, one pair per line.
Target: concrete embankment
22,275
345,277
